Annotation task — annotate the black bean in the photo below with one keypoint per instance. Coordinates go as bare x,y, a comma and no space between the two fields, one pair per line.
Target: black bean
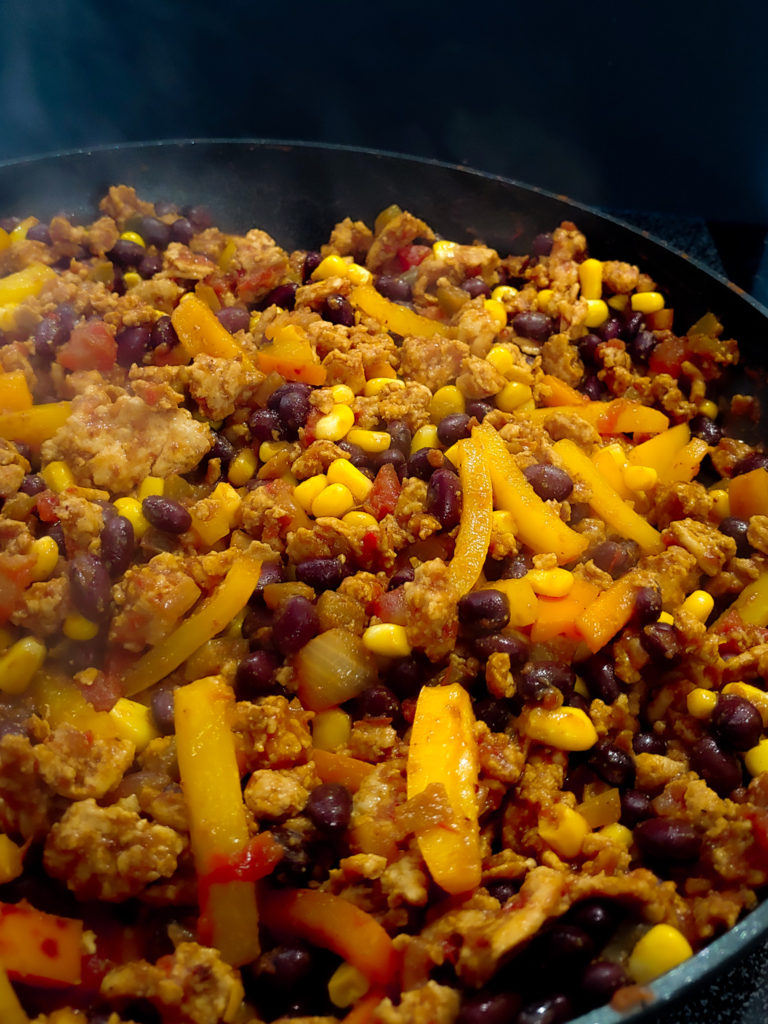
667,840
164,333
483,611
200,217
39,233
489,1008
126,254
400,435
502,889
737,530
164,208
271,572
537,677
592,388
356,455
398,289
720,769
424,462
257,618
54,330
154,232
635,806
90,587
406,676
514,646
234,318
615,557
389,457
649,743
478,409
338,310
598,918
453,428
534,325
600,980
222,449
495,713
609,329
647,605
162,704
32,484
284,296
642,345
736,721
575,700
475,286
542,244
587,346
295,623
404,575
612,764
255,676
632,322
755,460
56,531
265,425
132,344
182,231
117,545
376,701
320,573
275,399
566,948
312,261
550,1010
661,642
150,265
444,498
293,411
550,482
166,514
289,968
517,567
707,429
329,808
600,676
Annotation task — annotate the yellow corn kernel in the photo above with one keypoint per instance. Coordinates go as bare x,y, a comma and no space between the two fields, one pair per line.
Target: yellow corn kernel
443,249
721,502
336,424
425,437
503,293
563,728
376,385
346,985
58,476
387,639
647,302
550,582
331,729
756,758
701,703
133,236
342,394
709,409
385,216
11,860
617,833
369,440
502,360
133,722
564,830
597,313
358,274
497,313
699,604
151,485
619,302
360,520
666,617
46,552
19,664
77,627
333,500
341,471
242,467
512,396
660,949
130,508
544,298
131,279
306,492
639,478
503,521
591,279
269,449
754,695
446,401
331,266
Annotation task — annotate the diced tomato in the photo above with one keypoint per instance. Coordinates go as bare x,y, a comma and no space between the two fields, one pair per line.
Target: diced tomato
385,492
47,506
90,347
391,607
412,255
15,577
669,356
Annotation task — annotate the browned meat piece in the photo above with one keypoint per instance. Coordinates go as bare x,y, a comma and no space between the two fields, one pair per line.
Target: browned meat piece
431,361
25,800
150,601
179,261
44,606
350,238
429,1004
432,615
560,358
272,734
620,277
12,468
400,231
121,203
76,764
219,386
706,543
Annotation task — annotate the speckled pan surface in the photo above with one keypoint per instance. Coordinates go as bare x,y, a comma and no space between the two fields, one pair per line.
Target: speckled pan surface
296,192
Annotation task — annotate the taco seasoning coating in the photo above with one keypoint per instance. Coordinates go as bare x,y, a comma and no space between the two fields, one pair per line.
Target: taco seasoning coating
377,625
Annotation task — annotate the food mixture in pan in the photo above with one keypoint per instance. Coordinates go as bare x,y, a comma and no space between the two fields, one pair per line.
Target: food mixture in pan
383,629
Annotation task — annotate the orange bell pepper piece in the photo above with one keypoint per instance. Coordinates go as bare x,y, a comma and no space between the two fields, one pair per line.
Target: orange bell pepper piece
443,750
218,824
539,526
751,605
688,462
394,317
523,602
748,494
557,392
200,330
334,767
660,452
40,948
608,613
290,355
557,616
14,391
474,534
35,425
334,923
620,416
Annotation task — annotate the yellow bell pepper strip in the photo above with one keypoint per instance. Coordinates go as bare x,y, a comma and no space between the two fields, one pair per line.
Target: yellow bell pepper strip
25,284
14,392
396,318
200,330
35,425
291,355
687,464
443,750
660,452
749,494
11,1010
601,809
523,602
556,392
334,923
40,948
610,611
751,605
216,612
332,766
539,525
557,616
218,825
474,534
620,416
605,501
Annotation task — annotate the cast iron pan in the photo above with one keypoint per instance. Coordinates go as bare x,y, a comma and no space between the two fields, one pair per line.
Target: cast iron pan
297,191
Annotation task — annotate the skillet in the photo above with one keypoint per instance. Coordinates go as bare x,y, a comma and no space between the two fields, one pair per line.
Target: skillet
297,191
